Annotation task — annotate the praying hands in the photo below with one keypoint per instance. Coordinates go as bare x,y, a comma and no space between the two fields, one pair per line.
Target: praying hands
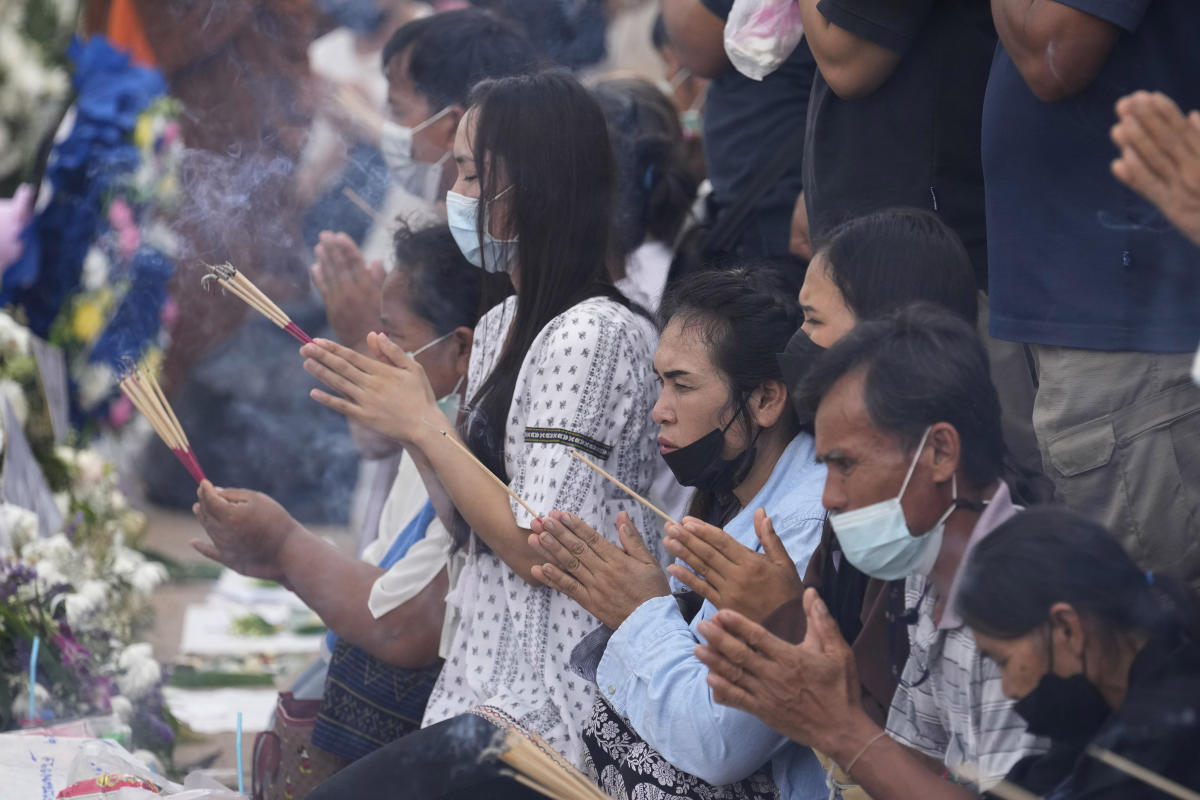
730,575
389,393
610,582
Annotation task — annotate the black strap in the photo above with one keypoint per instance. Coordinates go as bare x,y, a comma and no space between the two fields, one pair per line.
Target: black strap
733,219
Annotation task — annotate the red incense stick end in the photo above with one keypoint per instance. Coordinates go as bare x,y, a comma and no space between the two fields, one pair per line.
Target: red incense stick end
188,459
295,330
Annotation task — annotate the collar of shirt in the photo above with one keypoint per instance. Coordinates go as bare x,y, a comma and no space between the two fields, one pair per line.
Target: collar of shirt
999,509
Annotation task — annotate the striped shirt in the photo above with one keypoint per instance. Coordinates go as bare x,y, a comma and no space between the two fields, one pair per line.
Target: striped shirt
959,715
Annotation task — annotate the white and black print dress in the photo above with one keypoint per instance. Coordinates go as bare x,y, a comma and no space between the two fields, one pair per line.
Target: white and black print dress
587,383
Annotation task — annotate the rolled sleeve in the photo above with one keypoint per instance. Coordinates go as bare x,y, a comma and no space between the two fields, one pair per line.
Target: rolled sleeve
649,673
886,23
1125,14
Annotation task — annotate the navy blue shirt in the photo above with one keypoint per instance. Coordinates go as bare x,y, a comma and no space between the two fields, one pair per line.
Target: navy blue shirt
1076,258
744,122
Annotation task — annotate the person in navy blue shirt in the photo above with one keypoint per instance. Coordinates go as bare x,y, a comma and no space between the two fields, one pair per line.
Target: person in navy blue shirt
1103,289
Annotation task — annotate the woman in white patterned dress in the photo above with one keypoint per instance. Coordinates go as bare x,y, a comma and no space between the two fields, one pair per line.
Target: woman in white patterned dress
564,364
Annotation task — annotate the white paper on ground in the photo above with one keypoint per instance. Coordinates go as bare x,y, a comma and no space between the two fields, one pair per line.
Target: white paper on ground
208,630
216,710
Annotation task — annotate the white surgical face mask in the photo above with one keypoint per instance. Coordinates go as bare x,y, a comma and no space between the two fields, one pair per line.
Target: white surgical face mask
450,403
876,538
415,177
495,255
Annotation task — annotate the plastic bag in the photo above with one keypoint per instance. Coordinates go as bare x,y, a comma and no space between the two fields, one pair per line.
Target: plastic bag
761,34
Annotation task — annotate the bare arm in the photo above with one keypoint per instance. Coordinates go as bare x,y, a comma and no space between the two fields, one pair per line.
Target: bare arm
1057,49
338,587
697,36
851,65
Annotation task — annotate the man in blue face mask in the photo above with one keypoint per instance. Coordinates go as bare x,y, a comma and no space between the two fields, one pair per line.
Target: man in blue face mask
908,425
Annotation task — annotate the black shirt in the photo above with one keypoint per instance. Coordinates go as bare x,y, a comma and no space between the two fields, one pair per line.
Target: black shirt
1078,259
744,123
914,141
1157,727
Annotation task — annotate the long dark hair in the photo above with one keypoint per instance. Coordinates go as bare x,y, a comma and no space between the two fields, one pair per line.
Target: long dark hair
541,139
1049,555
745,316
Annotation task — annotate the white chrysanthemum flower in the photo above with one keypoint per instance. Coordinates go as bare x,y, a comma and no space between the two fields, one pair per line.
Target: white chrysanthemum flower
17,525
11,391
95,270
90,469
140,673
20,706
149,575
96,382
79,609
14,337
121,706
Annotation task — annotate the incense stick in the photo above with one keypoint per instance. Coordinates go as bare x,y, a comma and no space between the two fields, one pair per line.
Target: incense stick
238,284
625,488
544,767
140,386
362,205
1135,770
466,451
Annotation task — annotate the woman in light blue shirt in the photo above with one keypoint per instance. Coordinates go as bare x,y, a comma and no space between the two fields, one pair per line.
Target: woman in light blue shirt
729,430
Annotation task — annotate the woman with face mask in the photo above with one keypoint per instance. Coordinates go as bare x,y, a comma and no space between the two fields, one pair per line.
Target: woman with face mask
387,607
563,365
1097,652
729,431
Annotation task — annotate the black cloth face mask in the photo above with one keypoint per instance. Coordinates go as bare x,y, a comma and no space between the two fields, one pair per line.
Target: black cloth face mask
699,464
1064,709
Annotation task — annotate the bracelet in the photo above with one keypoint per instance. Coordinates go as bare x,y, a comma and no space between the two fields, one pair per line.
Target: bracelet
865,748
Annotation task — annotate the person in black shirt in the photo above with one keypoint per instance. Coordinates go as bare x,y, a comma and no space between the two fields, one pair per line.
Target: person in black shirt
1100,653
894,115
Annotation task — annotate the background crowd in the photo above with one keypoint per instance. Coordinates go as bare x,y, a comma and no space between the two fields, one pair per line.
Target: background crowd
827,433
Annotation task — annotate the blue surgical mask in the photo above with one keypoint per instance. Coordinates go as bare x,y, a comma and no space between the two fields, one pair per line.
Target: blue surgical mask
449,404
495,255
876,538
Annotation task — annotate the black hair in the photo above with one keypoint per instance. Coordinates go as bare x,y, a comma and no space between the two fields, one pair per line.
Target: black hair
655,187
745,316
544,138
923,365
1051,554
658,33
885,260
451,52
443,287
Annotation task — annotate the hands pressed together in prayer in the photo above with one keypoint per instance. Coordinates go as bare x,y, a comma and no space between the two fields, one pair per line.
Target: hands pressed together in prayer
808,692
730,575
351,287
610,582
1160,156
388,393
247,530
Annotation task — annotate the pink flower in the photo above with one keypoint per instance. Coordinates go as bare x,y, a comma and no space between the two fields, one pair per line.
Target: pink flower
120,216
169,313
120,412
170,133
15,214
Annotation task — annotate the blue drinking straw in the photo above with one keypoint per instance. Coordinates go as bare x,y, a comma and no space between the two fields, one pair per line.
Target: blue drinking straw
33,656
241,778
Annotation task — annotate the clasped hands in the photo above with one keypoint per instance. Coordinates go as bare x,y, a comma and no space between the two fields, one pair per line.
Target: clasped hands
389,393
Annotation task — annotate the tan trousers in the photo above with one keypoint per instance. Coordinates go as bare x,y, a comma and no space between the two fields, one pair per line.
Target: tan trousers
1120,437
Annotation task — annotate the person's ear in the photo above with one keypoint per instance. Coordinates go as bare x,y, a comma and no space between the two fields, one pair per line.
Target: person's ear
444,130
768,402
946,445
1068,636
463,337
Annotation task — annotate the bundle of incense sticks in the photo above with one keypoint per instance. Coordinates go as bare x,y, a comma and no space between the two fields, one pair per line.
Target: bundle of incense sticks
538,766
143,391
237,283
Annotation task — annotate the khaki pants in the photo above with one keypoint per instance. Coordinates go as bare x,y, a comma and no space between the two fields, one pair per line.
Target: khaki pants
1120,437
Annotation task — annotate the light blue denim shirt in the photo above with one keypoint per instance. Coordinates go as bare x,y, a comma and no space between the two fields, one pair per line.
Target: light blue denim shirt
650,675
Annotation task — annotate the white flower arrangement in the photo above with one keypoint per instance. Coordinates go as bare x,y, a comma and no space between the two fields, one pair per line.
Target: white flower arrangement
14,337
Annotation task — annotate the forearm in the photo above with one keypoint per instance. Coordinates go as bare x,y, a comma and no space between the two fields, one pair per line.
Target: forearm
697,36
337,588
887,770
1057,49
468,490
